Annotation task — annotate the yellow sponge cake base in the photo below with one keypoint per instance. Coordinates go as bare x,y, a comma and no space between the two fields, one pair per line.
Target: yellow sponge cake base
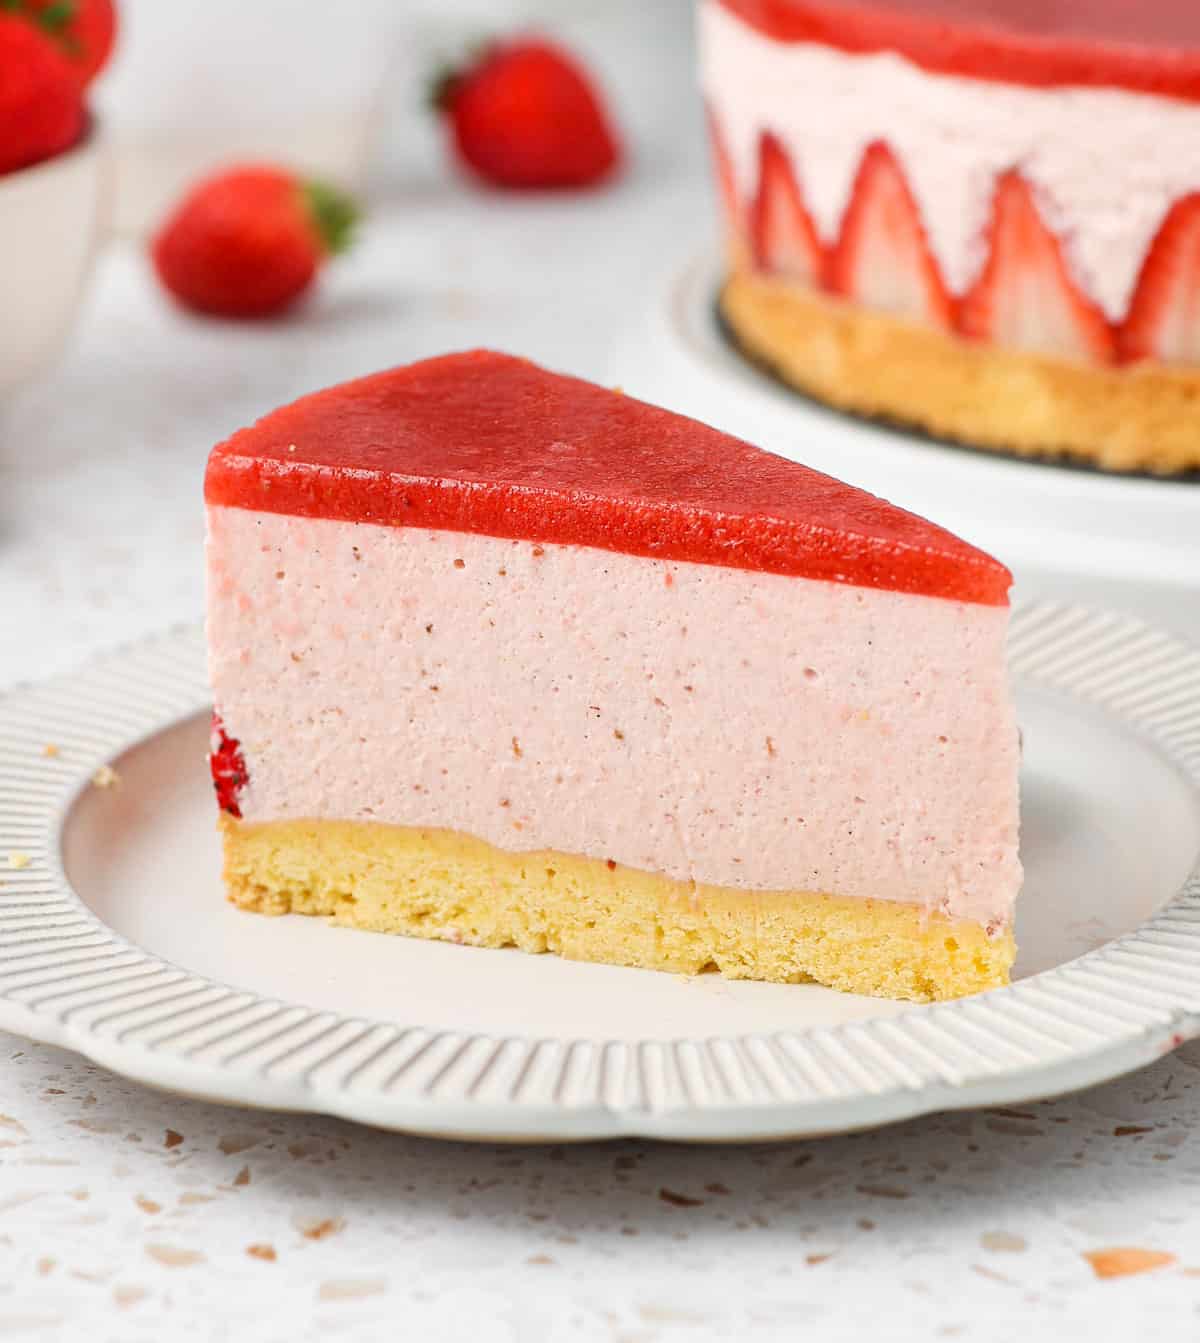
1135,417
449,886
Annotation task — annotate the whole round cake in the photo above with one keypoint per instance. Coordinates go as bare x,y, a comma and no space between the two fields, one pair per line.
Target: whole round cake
982,221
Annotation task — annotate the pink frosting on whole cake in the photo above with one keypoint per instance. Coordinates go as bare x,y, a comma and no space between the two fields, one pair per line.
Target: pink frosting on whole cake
718,725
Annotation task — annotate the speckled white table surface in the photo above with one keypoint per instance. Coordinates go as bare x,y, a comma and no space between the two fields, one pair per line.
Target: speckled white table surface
126,1214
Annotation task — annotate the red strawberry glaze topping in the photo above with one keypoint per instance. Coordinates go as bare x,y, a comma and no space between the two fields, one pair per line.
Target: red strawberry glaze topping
483,442
228,767
1148,48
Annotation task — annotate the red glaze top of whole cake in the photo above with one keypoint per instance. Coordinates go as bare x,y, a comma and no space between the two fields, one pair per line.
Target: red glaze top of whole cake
1151,46
483,442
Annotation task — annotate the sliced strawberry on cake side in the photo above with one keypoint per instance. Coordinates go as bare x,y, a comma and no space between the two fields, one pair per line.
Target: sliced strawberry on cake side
882,259
1163,321
727,188
782,233
1025,297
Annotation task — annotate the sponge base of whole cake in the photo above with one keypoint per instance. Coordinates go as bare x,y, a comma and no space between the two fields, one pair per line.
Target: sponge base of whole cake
1137,417
453,887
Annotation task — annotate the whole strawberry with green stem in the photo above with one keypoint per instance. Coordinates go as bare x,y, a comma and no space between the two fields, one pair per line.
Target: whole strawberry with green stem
524,114
249,241
83,30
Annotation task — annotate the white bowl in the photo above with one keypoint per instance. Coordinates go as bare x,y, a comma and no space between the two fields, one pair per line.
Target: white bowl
51,217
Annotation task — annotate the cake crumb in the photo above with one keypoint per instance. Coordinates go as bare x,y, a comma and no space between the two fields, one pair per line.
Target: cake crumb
50,750
230,1144
171,1256
242,1178
771,746
18,859
265,1252
460,564
516,748
172,1139
611,864
1003,1242
351,1289
1122,1261
538,552
881,1190
677,1200
147,1204
105,777
319,1228
620,736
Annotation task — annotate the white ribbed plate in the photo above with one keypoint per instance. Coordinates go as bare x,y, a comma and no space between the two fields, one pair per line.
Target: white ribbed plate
115,941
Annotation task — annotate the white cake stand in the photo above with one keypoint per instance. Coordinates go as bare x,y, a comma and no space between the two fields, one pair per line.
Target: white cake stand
1032,514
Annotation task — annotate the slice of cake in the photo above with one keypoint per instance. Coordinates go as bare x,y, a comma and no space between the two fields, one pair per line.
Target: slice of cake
505,658
979,219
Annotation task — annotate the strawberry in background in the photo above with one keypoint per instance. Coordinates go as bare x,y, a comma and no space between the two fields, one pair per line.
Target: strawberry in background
249,241
83,30
524,114
41,101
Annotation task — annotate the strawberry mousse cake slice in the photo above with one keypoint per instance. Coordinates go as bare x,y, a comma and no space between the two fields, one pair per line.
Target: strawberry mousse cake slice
505,658
982,221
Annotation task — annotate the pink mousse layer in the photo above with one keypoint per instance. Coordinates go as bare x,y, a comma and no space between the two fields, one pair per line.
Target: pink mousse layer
717,725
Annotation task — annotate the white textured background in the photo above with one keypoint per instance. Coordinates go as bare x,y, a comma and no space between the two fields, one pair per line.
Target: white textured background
128,1215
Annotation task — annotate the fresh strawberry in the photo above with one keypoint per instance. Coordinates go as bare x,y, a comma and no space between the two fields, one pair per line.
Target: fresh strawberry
525,114
726,177
781,229
41,109
882,258
1025,297
84,30
227,765
249,241
1163,321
